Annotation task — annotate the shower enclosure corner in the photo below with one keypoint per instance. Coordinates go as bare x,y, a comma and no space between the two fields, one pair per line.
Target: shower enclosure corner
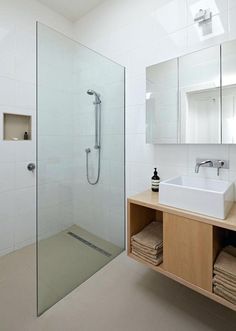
80,164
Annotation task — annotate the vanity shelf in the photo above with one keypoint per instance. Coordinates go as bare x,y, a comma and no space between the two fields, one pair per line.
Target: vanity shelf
191,242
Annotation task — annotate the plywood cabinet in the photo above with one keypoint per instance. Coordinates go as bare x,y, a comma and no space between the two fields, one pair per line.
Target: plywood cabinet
188,250
191,242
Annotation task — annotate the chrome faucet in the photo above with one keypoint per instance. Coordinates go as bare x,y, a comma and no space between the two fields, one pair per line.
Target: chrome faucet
208,163
213,163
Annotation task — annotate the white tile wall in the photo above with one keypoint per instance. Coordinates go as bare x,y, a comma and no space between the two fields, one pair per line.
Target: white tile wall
135,34
17,95
141,33
100,208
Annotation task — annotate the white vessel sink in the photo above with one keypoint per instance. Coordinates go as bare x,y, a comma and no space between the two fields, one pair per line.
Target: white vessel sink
204,196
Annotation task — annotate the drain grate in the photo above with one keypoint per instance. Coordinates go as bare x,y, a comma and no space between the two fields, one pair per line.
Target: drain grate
88,243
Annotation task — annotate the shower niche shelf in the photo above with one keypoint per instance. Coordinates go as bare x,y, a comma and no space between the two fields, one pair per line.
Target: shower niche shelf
15,126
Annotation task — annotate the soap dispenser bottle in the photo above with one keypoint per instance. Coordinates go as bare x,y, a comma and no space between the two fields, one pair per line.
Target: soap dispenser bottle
26,136
155,181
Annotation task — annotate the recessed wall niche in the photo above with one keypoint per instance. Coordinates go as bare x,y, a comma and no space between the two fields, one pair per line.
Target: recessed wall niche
16,127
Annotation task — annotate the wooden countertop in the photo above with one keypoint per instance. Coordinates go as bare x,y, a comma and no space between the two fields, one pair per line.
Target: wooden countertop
151,200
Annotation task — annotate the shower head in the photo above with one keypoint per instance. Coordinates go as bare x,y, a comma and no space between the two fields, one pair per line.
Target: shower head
91,92
97,96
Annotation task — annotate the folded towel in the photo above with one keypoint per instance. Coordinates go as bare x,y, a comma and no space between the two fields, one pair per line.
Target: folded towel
148,251
225,285
231,250
145,248
151,236
227,279
227,295
151,258
222,273
145,254
226,262
155,262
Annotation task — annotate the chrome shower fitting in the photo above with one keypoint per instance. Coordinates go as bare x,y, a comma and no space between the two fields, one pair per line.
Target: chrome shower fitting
203,15
97,96
31,167
97,145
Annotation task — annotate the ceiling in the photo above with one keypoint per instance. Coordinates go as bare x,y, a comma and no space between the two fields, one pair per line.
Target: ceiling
71,9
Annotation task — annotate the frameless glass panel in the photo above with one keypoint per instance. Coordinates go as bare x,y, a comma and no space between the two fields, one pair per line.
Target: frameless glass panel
229,92
162,103
199,89
80,158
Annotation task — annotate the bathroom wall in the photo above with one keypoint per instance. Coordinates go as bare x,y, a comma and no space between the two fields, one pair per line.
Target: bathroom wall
141,33
99,208
17,95
55,119
133,33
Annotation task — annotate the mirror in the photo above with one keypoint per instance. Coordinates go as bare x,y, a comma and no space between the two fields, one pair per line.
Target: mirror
229,92
188,101
162,102
199,97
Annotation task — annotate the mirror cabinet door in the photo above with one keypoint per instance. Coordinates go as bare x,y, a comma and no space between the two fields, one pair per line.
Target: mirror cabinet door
162,103
199,97
229,92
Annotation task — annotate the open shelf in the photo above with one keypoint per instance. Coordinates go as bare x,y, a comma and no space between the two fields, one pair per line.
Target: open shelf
15,126
222,238
142,216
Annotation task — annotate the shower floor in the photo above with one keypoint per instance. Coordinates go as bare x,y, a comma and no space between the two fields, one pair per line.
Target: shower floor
66,260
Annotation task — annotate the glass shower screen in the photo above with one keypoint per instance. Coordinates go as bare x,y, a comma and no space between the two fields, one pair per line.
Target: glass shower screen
80,134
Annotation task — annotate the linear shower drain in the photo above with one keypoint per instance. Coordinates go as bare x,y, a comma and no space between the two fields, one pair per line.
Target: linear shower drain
88,243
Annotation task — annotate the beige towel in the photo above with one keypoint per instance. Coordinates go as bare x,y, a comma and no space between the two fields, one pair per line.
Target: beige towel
150,256
224,285
231,250
224,279
148,251
228,279
225,294
145,248
155,262
226,262
151,236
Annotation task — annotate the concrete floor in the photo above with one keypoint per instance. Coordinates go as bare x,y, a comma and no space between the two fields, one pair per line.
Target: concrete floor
65,262
124,295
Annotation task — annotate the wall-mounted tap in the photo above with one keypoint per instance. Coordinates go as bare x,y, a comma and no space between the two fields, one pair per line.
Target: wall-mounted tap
205,163
213,163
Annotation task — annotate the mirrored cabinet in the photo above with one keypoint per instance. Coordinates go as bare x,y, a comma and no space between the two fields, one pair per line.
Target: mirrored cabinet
192,99
228,60
161,102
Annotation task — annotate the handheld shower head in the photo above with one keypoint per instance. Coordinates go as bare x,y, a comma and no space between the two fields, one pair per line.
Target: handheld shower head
97,96
91,92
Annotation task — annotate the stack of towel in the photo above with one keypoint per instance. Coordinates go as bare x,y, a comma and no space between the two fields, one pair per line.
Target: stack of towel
224,281
148,244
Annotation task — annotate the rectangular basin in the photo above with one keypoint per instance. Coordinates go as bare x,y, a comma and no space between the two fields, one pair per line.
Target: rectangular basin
204,196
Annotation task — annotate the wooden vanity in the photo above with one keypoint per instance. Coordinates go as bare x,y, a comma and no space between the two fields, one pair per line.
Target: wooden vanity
191,242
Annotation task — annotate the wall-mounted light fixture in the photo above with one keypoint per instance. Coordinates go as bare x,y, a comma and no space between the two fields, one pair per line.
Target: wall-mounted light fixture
202,16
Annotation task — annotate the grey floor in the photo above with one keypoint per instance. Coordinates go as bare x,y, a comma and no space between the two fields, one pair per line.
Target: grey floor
124,295
66,262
